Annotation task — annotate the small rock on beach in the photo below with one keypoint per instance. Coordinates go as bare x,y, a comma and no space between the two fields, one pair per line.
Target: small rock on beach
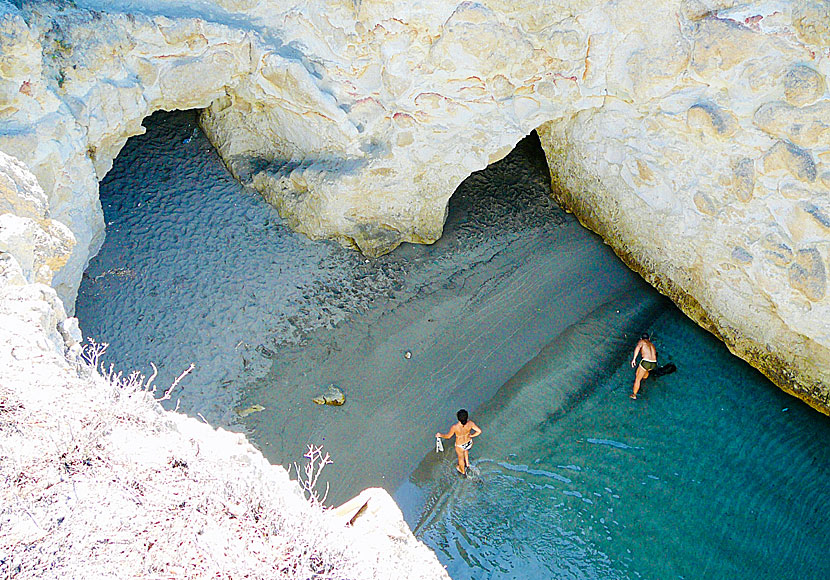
249,410
332,396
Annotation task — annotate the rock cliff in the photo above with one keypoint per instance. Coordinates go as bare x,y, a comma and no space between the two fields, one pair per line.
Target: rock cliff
707,169
100,482
693,135
75,85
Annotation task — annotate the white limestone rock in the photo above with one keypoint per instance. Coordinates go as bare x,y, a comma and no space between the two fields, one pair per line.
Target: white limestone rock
29,317
695,131
11,274
714,189
39,245
369,148
70,105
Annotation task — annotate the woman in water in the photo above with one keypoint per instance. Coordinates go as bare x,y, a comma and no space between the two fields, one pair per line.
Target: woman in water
464,432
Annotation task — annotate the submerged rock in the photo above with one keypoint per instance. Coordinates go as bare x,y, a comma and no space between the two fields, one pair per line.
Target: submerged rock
332,396
249,410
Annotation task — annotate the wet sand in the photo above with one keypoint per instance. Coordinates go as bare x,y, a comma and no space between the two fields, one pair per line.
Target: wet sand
471,310
467,336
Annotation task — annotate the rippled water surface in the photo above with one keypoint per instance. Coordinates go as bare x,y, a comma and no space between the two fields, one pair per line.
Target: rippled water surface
198,269
712,473
518,314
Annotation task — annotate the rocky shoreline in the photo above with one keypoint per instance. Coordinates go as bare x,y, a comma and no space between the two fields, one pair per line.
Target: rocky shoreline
100,482
693,137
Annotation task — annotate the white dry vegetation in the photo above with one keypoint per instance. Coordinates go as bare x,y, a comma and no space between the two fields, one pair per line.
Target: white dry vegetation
98,481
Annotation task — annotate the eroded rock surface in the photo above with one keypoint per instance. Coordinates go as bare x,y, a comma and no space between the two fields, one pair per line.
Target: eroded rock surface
38,245
105,483
692,135
715,189
75,85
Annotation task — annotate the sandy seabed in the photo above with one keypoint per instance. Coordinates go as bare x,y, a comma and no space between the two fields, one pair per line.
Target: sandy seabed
197,269
518,314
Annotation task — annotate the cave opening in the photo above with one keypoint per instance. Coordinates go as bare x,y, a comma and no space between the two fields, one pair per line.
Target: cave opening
513,192
170,285
517,313
197,268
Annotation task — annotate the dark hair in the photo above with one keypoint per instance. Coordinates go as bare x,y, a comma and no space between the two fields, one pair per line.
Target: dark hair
462,416
644,336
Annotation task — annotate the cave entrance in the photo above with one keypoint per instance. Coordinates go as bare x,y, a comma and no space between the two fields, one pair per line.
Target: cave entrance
186,270
198,269
513,192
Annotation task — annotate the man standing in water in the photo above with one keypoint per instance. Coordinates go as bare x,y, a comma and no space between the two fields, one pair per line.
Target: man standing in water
645,348
464,432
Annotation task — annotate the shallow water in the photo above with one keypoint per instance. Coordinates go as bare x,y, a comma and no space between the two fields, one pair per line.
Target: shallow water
712,473
517,313
198,269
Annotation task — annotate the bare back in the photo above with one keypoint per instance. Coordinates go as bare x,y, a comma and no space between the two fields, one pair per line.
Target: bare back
463,433
646,350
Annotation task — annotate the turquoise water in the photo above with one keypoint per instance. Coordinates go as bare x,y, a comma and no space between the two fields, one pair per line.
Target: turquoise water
712,473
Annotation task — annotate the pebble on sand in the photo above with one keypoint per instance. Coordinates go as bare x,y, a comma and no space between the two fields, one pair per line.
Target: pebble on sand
332,396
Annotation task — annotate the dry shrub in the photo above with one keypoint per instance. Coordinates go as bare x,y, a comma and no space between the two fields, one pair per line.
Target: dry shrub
102,483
